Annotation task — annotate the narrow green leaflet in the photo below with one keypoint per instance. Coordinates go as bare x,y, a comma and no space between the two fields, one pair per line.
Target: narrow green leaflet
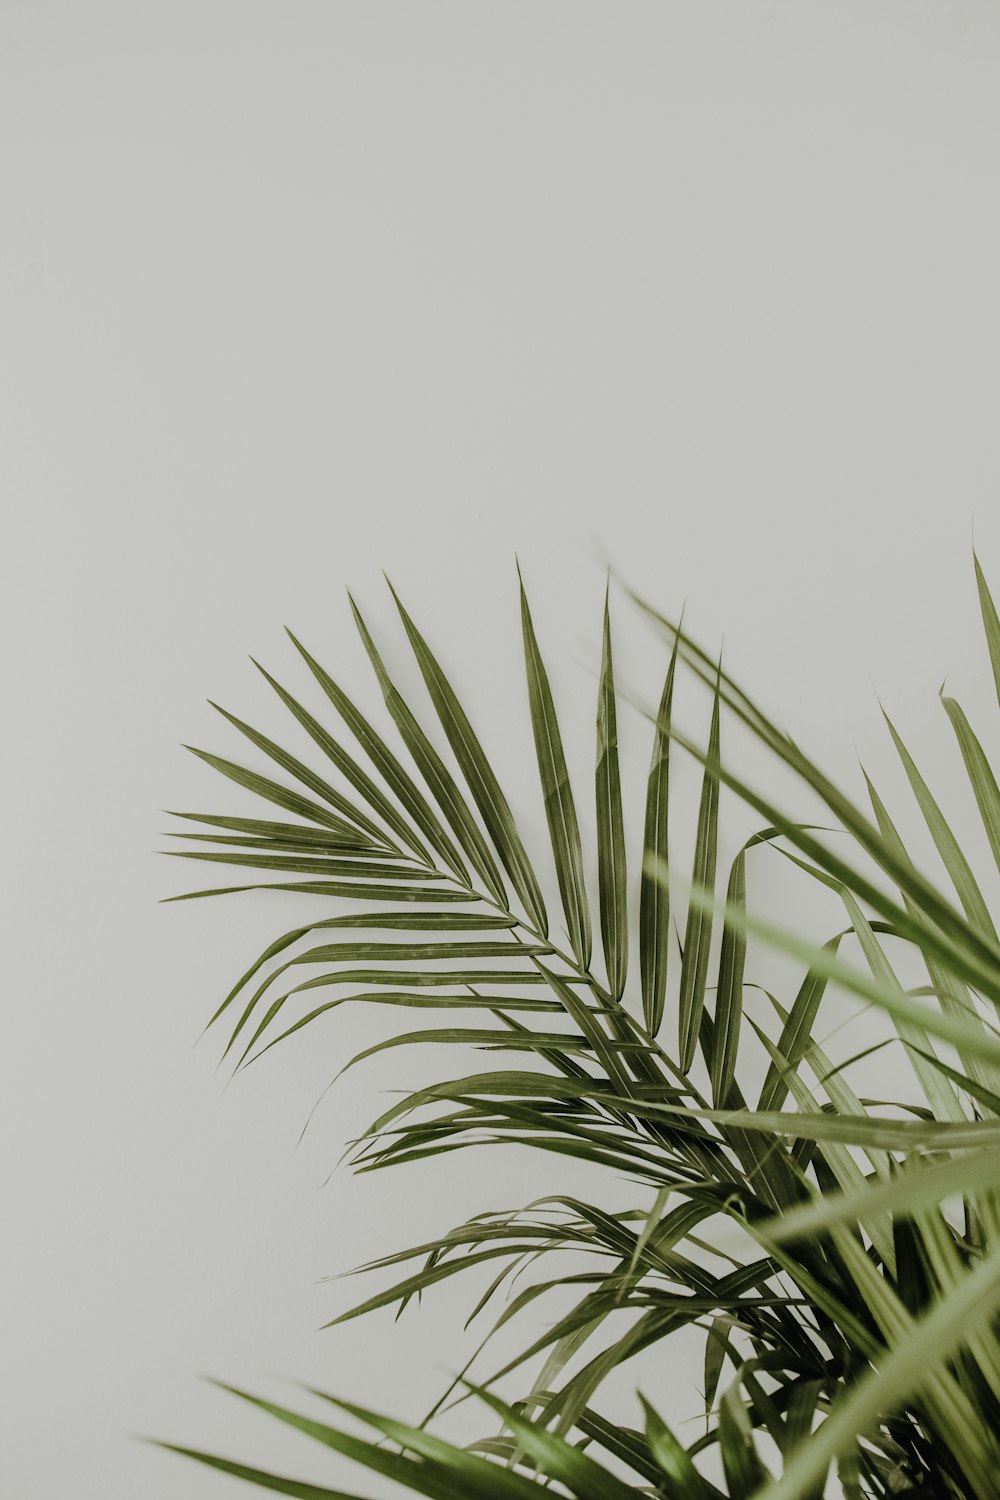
399,952
330,846
307,864
298,833
612,879
729,993
298,1489
797,1030
980,773
745,1471
494,1040
991,623
947,845
427,921
344,889
654,895
698,931
560,809
674,1459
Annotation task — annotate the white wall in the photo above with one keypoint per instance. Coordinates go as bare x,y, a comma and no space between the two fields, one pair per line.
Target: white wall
295,292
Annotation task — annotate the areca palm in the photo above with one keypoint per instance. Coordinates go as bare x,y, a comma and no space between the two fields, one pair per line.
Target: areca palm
855,1321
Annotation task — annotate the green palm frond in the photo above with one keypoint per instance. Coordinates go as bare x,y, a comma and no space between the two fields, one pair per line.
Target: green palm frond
841,1254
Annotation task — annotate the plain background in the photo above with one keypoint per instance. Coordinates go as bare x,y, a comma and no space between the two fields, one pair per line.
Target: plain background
292,293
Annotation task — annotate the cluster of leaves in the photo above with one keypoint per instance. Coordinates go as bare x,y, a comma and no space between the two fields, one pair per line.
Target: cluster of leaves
859,1334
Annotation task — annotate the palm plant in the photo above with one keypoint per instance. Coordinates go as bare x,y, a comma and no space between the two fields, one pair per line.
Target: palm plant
840,1255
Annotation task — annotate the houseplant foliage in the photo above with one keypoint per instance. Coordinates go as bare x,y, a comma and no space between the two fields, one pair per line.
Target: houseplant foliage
852,1343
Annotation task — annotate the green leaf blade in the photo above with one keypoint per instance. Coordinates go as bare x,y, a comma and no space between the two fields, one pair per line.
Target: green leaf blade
611,864
729,995
991,622
698,930
654,894
560,810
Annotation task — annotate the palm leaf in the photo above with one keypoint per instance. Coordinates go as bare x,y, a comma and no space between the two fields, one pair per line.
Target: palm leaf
848,1316
654,895
698,932
729,994
560,810
612,878
980,773
947,845
991,622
